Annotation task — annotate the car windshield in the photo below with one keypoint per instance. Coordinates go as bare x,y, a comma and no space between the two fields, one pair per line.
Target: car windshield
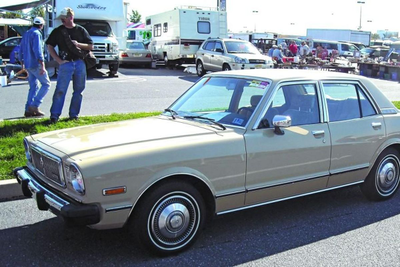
225,100
241,47
96,28
135,45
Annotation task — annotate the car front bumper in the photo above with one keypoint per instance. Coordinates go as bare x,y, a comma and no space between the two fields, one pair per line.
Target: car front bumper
70,211
238,66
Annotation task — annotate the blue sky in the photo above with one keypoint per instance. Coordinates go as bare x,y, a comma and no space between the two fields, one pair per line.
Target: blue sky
292,16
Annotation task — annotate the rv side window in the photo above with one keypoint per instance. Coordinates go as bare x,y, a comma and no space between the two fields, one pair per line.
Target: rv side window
157,30
165,28
148,21
203,27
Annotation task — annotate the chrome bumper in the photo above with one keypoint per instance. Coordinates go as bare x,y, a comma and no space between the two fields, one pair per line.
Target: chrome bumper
47,200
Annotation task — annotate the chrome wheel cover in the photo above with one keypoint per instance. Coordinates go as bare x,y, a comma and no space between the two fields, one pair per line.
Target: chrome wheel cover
174,221
387,175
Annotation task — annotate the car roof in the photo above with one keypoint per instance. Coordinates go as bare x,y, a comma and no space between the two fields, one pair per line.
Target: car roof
287,74
8,39
278,75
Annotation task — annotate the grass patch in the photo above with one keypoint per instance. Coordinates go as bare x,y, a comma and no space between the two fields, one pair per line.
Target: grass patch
12,133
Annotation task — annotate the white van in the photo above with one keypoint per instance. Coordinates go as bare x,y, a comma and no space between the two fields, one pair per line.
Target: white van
344,49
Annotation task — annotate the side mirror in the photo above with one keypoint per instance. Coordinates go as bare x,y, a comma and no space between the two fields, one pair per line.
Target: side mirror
220,50
281,121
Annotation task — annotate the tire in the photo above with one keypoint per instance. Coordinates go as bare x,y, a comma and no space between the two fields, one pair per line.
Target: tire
200,69
169,218
226,67
168,63
383,179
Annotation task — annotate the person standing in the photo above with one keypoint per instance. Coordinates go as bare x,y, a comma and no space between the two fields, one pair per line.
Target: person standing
71,64
293,48
32,58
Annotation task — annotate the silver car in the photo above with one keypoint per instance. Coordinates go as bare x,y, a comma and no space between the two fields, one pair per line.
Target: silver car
234,140
135,53
229,54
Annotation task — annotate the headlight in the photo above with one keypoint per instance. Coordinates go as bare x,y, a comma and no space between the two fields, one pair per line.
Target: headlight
27,150
240,60
114,47
75,178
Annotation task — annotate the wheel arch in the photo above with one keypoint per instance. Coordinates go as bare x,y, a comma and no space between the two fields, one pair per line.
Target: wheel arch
203,188
392,144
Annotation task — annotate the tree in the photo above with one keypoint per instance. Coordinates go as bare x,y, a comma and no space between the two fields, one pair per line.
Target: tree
37,12
375,36
135,17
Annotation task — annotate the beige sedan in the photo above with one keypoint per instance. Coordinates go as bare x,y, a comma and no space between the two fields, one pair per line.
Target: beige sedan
135,53
234,140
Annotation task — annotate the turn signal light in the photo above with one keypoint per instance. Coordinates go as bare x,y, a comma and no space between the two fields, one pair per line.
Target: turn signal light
114,191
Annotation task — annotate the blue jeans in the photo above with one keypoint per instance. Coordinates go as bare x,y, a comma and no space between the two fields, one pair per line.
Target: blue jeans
36,94
75,71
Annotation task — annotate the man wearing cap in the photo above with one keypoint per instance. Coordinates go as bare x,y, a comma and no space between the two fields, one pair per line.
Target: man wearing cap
71,64
33,60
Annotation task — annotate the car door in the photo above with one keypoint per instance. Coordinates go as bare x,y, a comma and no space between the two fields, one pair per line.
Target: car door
357,131
296,162
7,46
216,57
207,53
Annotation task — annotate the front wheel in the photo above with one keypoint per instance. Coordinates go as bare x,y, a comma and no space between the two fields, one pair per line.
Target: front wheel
169,218
383,179
226,67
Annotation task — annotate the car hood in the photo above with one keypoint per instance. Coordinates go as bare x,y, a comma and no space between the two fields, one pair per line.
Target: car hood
252,56
88,138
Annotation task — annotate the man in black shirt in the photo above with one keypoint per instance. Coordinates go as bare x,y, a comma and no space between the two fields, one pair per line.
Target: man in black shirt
72,65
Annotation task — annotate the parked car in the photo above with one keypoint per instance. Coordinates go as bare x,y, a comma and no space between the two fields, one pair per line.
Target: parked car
135,53
7,45
234,140
344,49
375,51
217,54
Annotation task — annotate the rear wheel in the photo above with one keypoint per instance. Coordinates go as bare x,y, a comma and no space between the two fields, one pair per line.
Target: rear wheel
383,179
169,218
200,69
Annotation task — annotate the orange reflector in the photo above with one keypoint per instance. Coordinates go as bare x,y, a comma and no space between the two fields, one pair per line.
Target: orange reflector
114,191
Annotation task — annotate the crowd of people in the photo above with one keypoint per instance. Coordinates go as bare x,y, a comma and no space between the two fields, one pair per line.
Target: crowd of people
283,50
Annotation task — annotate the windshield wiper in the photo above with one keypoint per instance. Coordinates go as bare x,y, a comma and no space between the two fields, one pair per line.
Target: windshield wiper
205,118
172,112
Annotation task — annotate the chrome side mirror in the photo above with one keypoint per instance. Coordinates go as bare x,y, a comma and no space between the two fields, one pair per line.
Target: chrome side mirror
281,121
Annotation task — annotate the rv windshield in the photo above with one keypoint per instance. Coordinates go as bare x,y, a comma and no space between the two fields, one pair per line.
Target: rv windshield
96,28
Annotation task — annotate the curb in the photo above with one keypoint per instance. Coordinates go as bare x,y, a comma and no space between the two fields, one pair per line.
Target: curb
10,189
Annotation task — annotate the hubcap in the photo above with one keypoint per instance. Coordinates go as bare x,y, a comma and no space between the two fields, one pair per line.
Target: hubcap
388,175
174,221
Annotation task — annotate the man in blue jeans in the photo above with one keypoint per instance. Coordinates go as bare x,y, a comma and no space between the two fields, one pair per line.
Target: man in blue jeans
33,60
71,64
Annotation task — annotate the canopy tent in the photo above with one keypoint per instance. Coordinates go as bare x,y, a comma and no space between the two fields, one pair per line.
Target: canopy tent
13,5
16,22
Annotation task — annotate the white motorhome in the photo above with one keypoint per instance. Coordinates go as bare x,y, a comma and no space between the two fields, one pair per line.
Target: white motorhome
105,21
177,34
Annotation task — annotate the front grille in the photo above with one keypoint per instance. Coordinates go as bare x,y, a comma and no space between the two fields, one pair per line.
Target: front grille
257,61
48,165
101,47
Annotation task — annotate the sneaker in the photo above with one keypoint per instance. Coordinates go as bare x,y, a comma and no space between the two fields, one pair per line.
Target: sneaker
36,111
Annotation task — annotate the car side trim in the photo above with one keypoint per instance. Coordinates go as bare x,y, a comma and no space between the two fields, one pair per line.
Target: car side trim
287,198
118,208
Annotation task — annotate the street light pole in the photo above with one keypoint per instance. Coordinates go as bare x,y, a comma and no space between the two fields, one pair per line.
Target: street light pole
361,3
255,21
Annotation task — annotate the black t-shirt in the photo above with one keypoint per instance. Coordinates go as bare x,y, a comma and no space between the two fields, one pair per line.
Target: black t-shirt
77,33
